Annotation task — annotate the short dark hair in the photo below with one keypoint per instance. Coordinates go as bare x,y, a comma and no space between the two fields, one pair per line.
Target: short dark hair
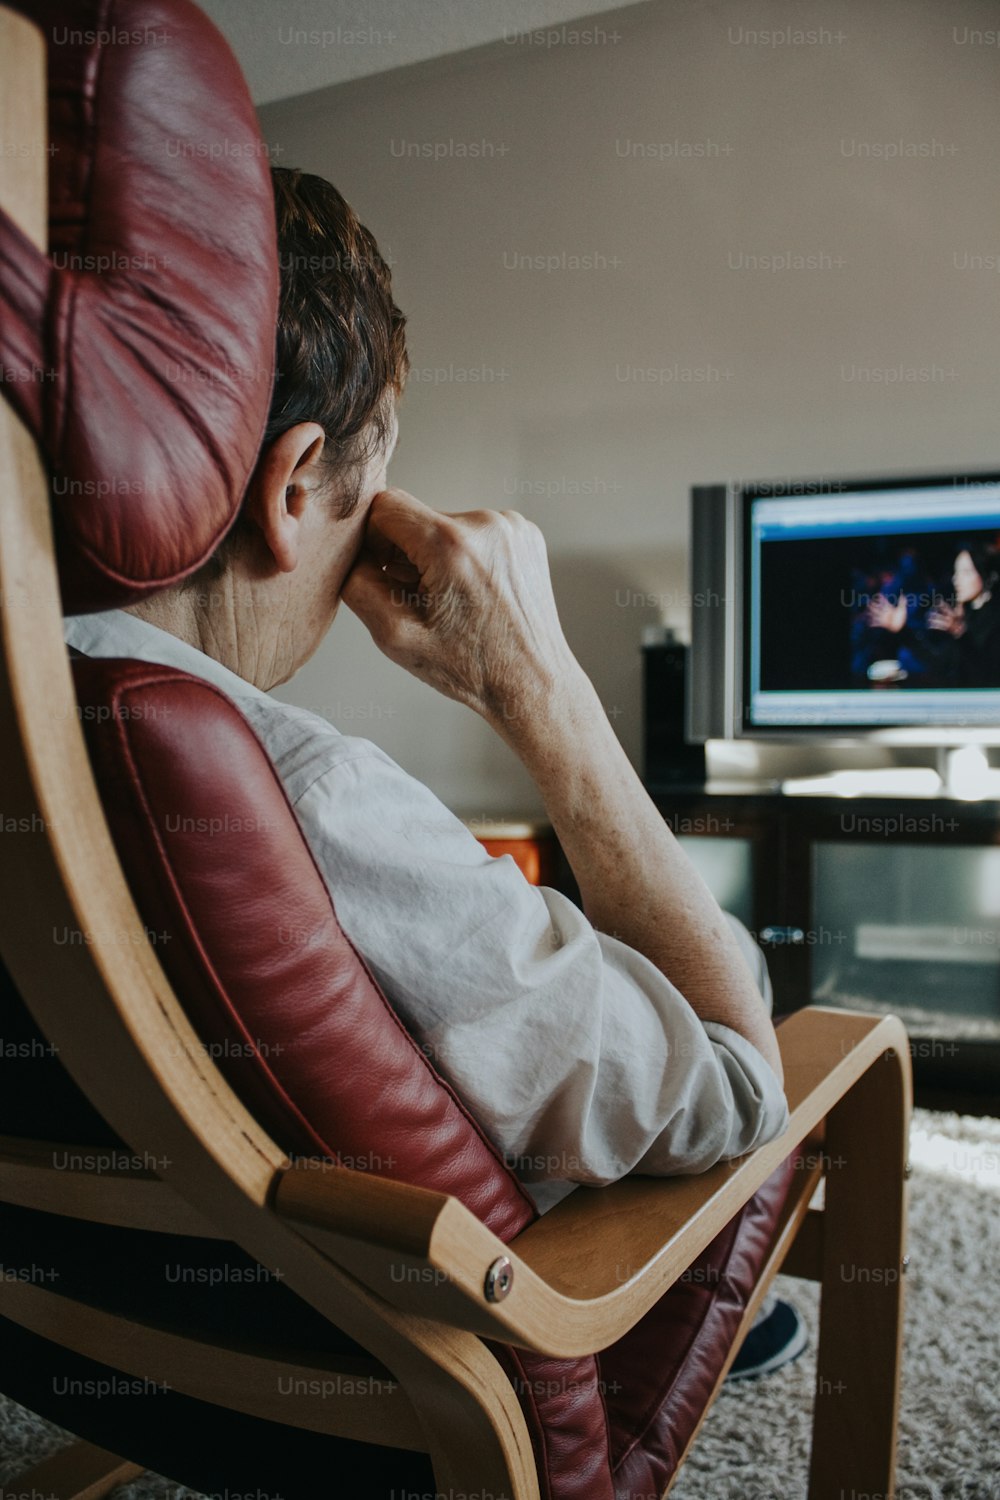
340,348
340,354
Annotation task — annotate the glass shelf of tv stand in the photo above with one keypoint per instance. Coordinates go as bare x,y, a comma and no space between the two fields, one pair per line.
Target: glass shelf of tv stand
913,926
797,862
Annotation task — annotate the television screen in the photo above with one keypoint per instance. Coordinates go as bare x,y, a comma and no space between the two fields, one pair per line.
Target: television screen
877,607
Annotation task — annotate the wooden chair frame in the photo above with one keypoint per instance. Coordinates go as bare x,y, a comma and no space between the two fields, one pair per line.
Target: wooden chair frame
581,1276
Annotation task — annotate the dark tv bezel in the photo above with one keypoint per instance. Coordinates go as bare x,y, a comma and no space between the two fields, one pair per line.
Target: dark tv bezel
819,490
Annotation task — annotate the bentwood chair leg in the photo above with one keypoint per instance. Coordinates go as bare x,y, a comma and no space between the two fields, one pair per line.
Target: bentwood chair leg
861,1310
81,1472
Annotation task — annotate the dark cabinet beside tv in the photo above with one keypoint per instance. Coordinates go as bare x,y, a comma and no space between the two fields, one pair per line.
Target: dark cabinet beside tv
873,903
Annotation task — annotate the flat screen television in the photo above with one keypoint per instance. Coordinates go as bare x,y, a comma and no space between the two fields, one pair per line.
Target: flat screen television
847,609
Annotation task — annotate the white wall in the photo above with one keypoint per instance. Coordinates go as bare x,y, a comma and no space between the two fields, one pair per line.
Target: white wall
870,148
295,46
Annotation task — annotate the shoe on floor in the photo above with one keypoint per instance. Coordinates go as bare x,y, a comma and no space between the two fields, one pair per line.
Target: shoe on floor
774,1340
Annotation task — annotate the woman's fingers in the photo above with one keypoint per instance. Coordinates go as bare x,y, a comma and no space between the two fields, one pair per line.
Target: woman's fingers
462,601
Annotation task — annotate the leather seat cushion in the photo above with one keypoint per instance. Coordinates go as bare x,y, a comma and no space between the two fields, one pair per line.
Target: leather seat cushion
655,1403
616,1426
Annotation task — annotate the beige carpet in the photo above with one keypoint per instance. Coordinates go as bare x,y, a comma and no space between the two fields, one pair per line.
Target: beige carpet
755,1443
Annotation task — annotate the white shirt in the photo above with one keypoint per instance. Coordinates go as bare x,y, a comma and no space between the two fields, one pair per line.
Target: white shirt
578,1057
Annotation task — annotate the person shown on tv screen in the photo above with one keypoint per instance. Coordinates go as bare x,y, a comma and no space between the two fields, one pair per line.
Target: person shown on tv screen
894,595
969,629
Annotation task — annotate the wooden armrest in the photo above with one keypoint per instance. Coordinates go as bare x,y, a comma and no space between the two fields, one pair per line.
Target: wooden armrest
586,1272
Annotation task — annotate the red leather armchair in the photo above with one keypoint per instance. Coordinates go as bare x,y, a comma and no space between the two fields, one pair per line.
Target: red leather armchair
393,1309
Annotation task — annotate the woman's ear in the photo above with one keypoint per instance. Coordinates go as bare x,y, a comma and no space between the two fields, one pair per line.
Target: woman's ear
283,485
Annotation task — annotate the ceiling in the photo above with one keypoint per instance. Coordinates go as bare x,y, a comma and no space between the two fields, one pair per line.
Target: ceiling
295,46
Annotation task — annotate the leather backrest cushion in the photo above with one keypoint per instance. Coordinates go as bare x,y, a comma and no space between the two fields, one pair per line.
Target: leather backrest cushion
243,924
140,351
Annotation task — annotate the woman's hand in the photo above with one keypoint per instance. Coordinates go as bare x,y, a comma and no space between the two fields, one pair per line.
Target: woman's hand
885,616
464,602
944,617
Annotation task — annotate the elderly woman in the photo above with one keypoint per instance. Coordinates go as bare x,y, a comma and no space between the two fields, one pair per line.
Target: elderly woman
633,1038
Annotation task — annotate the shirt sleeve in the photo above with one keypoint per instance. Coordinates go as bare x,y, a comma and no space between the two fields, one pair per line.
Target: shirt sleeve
580,1059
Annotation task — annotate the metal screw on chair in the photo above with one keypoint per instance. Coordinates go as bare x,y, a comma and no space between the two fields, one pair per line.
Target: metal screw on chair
906,1264
907,1170
499,1279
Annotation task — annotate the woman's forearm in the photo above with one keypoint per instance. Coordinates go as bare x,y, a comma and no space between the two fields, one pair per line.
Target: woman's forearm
636,882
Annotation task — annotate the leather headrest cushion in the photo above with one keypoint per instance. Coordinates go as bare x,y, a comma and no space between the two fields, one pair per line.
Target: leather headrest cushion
140,352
